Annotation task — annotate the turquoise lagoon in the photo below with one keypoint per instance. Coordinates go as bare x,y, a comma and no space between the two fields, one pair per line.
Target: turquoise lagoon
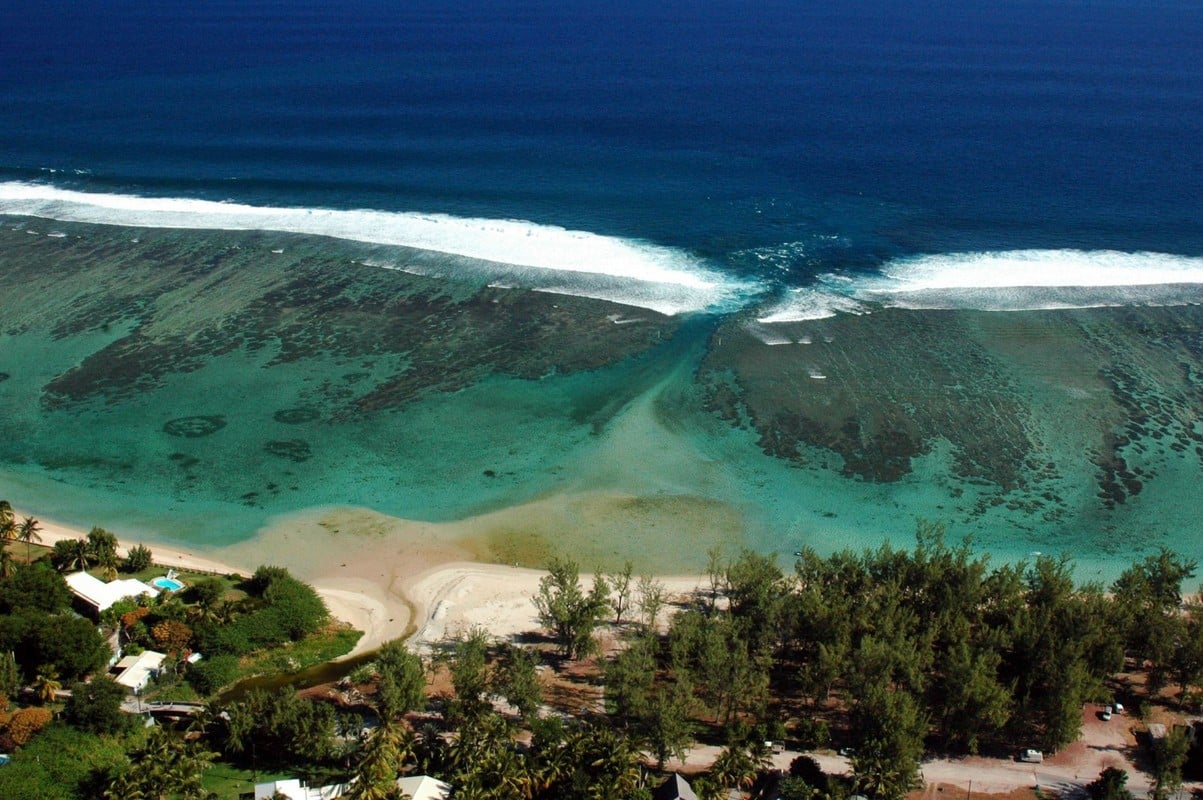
193,387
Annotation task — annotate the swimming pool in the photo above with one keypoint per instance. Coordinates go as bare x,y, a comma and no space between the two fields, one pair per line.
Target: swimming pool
167,584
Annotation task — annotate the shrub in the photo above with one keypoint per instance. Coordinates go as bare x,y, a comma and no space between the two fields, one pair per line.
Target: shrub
96,707
264,577
207,592
212,639
296,606
36,586
22,726
172,635
213,673
812,734
364,673
138,558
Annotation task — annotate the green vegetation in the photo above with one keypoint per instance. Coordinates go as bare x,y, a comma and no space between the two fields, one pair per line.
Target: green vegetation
63,763
225,781
326,644
96,707
38,629
570,613
897,654
138,558
97,750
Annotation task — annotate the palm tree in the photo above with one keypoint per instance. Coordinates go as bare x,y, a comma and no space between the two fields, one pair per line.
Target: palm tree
6,520
735,768
226,612
7,565
388,752
108,562
166,766
71,554
27,532
47,686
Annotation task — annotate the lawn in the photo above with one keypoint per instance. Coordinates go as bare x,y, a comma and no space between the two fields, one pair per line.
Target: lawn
229,782
327,644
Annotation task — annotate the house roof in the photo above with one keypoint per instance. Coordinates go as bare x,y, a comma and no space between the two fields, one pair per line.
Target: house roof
137,670
424,787
101,595
293,789
418,787
675,788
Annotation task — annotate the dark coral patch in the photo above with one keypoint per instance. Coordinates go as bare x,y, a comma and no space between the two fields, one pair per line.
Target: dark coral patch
194,427
296,416
293,449
184,461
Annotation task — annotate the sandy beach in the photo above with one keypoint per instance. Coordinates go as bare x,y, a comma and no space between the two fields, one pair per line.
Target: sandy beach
389,578
366,606
393,578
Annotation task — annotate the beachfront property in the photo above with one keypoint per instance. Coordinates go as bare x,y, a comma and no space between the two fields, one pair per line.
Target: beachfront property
134,672
295,789
417,787
97,596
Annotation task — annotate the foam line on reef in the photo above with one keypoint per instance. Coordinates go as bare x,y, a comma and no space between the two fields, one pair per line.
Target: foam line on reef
622,270
1011,280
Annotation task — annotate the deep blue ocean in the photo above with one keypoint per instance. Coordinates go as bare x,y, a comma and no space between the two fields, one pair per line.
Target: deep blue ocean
818,136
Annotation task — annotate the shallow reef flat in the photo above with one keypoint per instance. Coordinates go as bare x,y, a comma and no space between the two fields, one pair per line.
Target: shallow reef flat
174,299
277,371
202,386
1058,420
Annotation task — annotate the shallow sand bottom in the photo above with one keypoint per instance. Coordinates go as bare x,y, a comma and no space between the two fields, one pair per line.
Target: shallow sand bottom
392,577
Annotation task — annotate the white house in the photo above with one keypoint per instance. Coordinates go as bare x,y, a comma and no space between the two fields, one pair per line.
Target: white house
134,672
418,787
294,789
100,595
424,787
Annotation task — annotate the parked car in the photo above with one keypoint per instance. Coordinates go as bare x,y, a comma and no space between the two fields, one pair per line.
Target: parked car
1032,756
1106,715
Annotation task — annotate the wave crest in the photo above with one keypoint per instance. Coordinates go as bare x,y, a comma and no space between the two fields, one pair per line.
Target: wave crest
1013,280
627,271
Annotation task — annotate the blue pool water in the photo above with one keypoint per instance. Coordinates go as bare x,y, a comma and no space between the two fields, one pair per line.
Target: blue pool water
167,584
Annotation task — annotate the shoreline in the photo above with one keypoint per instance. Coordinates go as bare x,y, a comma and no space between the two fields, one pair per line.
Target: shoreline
368,611
421,590
425,590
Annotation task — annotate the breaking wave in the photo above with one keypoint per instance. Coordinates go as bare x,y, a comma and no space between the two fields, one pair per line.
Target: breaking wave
542,257
1015,280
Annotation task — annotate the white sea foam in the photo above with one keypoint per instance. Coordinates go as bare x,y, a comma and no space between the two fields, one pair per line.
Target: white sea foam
661,278
1037,268
767,335
1015,280
813,302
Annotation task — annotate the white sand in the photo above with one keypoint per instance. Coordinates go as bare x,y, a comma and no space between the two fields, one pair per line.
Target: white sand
384,576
